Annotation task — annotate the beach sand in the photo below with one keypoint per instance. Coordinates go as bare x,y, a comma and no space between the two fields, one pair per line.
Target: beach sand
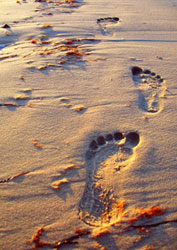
88,124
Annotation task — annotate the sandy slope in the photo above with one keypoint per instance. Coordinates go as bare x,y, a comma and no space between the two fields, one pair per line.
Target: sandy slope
53,105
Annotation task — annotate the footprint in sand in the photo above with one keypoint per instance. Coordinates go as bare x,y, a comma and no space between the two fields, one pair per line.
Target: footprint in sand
104,160
106,22
151,88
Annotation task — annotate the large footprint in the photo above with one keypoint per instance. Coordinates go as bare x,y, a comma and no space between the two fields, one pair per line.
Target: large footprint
151,88
104,160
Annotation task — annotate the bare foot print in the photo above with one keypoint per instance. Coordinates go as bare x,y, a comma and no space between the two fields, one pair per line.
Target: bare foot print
106,22
151,88
106,156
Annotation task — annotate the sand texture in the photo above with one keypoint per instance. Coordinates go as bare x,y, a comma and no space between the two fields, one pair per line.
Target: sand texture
88,136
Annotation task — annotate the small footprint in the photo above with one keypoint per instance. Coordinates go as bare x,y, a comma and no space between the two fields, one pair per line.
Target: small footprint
106,156
151,88
105,22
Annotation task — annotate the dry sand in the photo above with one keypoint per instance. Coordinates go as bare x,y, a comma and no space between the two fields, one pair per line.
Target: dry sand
67,80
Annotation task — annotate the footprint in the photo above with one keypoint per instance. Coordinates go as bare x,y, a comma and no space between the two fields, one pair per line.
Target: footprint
151,88
105,22
106,156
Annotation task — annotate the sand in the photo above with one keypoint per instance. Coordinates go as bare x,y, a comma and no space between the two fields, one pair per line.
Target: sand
88,124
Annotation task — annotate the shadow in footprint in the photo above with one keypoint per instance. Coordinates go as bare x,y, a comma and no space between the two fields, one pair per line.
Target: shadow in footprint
151,89
104,160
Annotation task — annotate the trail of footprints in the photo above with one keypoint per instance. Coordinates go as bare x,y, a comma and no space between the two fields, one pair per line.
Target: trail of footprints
104,160
151,89
108,154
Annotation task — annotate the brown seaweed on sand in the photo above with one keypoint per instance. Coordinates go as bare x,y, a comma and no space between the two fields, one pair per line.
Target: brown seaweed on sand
69,240
13,177
36,144
37,241
142,213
